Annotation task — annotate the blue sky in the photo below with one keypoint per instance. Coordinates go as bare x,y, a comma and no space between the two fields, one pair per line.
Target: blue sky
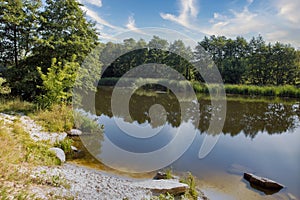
275,20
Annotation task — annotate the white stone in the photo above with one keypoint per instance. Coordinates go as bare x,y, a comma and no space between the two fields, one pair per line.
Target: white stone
60,154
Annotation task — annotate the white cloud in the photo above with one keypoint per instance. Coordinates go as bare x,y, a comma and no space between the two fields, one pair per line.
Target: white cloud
289,9
188,11
97,3
239,23
131,23
100,21
282,25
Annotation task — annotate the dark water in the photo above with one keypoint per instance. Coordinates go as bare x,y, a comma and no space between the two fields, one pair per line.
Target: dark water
261,135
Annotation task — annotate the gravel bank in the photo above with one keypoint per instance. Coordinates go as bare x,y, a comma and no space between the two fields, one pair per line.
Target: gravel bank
85,183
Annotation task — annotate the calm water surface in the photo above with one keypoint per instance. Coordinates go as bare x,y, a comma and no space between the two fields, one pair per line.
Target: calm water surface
260,135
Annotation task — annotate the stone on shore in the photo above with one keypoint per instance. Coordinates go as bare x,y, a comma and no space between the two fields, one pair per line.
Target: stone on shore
164,186
60,154
74,132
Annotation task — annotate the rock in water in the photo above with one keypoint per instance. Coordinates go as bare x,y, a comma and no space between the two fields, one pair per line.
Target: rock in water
263,184
60,154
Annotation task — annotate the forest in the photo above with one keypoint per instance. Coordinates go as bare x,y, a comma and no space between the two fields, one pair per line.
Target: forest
43,45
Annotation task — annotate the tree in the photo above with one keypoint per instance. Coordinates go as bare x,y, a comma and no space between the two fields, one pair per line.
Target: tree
64,32
18,20
180,58
284,68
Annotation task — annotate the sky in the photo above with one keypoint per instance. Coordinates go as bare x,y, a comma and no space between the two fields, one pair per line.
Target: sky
275,20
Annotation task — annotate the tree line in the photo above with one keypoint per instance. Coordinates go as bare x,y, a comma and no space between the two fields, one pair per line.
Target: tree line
43,45
239,61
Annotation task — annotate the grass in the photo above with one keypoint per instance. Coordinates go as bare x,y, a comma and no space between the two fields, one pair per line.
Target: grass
19,151
166,196
16,106
251,90
65,145
190,181
86,124
58,118
169,173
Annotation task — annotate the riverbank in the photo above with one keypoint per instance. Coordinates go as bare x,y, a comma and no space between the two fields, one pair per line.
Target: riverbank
200,88
25,176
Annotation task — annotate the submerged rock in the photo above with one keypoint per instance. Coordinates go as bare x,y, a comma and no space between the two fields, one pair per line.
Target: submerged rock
239,169
265,185
60,154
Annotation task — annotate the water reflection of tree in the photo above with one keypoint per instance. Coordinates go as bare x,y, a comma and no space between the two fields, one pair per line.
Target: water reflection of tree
254,117
242,116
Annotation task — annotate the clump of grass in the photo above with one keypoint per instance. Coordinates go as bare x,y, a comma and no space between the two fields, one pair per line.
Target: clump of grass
166,196
86,124
169,173
190,181
58,118
65,145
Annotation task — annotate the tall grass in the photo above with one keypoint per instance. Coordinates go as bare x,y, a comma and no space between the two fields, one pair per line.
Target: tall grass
251,90
58,118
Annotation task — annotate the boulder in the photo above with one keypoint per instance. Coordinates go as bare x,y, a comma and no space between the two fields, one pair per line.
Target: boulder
75,132
60,154
264,184
170,186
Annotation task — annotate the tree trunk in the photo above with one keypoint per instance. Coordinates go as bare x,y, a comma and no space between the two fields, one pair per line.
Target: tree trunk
15,46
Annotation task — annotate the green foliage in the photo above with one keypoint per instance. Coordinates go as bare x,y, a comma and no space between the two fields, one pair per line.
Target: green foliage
35,153
190,181
16,105
4,89
163,197
253,62
57,82
169,173
86,124
65,145
252,90
33,33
